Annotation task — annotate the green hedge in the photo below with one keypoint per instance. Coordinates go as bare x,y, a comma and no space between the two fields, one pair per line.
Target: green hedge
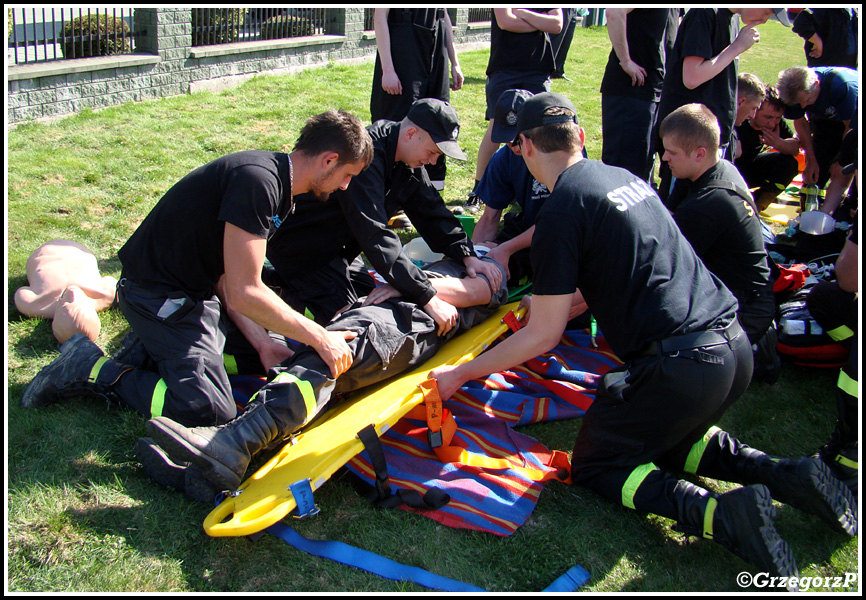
286,26
216,25
107,35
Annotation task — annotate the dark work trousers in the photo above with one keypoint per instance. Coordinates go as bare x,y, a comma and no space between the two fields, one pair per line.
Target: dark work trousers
420,58
627,133
653,408
837,312
519,265
771,171
185,339
827,137
322,292
392,337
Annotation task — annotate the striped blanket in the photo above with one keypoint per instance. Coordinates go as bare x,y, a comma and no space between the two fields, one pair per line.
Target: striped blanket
496,482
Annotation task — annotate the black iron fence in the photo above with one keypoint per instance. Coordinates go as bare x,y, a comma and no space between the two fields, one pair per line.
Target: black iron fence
480,14
44,34
47,34
228,25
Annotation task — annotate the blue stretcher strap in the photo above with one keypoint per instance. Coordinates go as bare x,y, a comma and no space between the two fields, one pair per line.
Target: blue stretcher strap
389,569
368,561
575,577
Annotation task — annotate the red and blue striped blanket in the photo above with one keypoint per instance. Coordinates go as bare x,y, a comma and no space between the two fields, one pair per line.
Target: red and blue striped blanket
485,496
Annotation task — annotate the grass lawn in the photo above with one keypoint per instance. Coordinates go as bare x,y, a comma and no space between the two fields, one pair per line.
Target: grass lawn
82,516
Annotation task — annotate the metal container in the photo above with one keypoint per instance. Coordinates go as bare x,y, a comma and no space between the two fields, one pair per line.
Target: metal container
815,222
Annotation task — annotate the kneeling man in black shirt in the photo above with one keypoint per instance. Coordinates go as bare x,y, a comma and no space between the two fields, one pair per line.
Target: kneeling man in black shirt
604,239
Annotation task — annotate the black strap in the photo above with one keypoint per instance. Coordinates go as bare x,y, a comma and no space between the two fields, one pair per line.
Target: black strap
381,495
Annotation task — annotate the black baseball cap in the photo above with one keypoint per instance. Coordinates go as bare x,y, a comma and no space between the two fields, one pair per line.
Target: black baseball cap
505,115
531,113
439,120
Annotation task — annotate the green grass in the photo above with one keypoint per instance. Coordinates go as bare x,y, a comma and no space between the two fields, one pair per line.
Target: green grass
84,517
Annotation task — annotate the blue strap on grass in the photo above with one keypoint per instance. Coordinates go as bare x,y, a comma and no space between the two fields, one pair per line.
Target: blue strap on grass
389,569
575,577
368,561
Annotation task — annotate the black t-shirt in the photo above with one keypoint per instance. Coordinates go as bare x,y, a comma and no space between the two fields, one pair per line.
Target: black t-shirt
511,51
724,229
752,143
606,232
703,32
179,245
646,33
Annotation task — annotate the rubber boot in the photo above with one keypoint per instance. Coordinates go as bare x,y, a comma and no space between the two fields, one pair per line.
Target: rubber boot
805,483
81,370
742,522
223,453
183,477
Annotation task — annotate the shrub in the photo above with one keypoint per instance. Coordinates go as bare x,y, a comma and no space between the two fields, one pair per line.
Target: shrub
286,26
103,35
216,25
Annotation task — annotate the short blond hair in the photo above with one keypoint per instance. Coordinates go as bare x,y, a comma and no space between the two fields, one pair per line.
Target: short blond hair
750,87
692,126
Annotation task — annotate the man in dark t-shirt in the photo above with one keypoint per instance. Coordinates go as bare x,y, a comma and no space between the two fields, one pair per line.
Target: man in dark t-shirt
604,240
767,149
206,238
521,57
702,67
632,84
823,103
507,180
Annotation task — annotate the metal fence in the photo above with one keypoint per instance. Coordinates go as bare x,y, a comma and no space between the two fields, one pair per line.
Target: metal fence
47,34
477,15
44,34
228,25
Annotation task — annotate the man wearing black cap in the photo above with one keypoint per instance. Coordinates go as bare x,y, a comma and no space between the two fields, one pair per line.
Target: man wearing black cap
604,240
506,179
313,251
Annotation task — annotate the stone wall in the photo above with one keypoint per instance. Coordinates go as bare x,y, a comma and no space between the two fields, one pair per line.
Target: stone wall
166,64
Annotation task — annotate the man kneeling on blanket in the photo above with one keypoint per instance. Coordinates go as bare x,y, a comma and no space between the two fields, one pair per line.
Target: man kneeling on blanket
604,240
393,335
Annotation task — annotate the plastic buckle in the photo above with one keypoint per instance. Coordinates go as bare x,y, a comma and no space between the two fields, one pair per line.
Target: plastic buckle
434,438
511,321
302,491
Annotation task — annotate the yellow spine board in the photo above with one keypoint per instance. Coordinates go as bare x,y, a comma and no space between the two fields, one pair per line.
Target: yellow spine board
317,453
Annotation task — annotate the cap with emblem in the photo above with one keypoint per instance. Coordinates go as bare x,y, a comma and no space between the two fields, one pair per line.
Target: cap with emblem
505,115
531,114
439,120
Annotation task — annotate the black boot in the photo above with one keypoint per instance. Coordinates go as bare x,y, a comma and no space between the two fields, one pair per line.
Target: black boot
132,352
741,521
224,452
804,483
840,453
841,458
81,370
183,477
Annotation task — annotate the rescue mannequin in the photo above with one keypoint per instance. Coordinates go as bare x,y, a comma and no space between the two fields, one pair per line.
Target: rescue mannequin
65,285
